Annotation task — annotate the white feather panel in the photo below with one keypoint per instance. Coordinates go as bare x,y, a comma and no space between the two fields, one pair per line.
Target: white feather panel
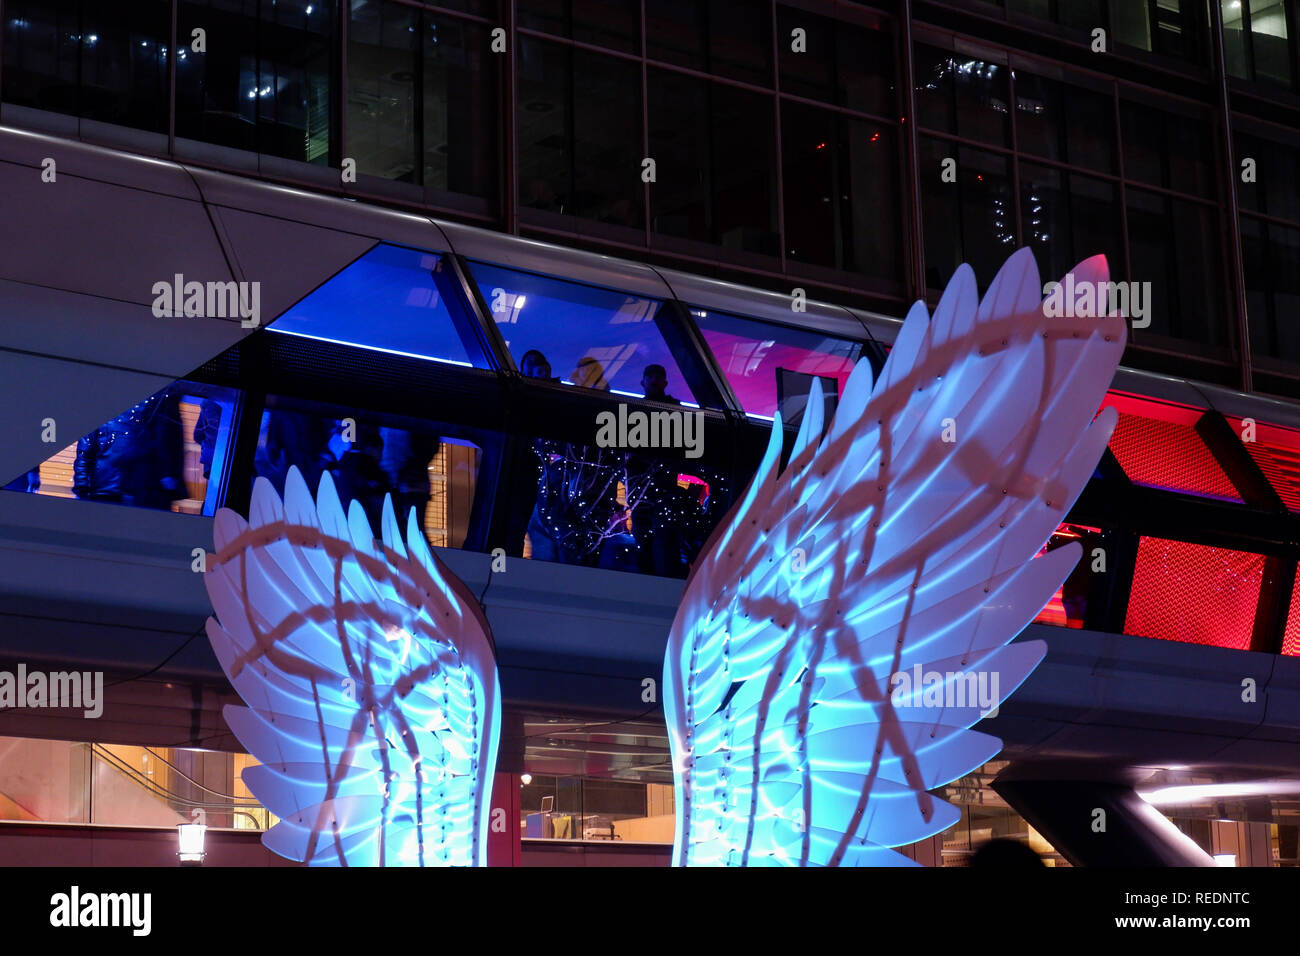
369,677
849,622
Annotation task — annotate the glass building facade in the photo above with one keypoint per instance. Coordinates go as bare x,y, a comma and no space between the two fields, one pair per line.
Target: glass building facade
857,150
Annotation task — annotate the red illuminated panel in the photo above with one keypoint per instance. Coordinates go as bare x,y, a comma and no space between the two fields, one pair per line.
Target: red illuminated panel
1156,444
1194,593
1291,639
1277,452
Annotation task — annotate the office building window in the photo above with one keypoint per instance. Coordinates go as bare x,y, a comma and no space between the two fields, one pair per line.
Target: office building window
101,60
422,100
1169,27
170,452
383,59
1174,244
972,219
841,189
461,109
613,24
1256,40
579,129
1275,190
1167,149
714,146
1076,14
260,83
728,38
837,63
1066,218
1065,122
1271,253
962,95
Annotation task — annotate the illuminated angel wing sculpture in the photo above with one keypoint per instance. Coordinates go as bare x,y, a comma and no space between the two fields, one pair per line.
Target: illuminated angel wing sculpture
850,620
370,680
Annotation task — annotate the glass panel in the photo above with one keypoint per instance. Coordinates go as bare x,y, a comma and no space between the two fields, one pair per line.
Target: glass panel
958,94
461,108
731,38
217,91
1174,245
294,104
1066,123
104,60
841,64
583,335
124,69
432,467
593,780
744,170
579,154
615,24
750,353
41,54
168,452
971,220
1268,33
1234,38
614,509
841,192
53,781
382,68
1167,149
1175,30
681,133
258,84
1272,259
1068,218
409,303
728,198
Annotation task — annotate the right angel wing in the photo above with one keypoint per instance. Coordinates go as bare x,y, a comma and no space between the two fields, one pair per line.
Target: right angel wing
370,680
903,543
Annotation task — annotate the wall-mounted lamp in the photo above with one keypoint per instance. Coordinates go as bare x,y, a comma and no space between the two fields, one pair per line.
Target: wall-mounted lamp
191,850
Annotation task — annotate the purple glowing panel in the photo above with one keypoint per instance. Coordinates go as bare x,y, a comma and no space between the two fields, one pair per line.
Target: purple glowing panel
589,336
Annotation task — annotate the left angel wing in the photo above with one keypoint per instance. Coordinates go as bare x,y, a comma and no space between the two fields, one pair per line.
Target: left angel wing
850,620
370,680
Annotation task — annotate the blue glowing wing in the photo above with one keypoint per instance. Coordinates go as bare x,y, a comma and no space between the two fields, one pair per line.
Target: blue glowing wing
370,680
850,620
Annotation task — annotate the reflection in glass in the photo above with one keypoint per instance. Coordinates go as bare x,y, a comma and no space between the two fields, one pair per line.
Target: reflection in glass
409,301
168,452
622,511
579,131
59,781
588,336
750,353
431,468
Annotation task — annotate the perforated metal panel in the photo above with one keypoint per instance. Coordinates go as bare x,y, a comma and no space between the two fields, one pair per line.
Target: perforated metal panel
1194,593
1170,455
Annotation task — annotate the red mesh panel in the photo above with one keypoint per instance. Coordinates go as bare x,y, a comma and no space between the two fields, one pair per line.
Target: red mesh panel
1156,444
1194,593
1291,638
1277,452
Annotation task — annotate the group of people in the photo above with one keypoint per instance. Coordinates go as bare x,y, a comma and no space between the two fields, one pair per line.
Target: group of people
138,458
577,516
366,462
